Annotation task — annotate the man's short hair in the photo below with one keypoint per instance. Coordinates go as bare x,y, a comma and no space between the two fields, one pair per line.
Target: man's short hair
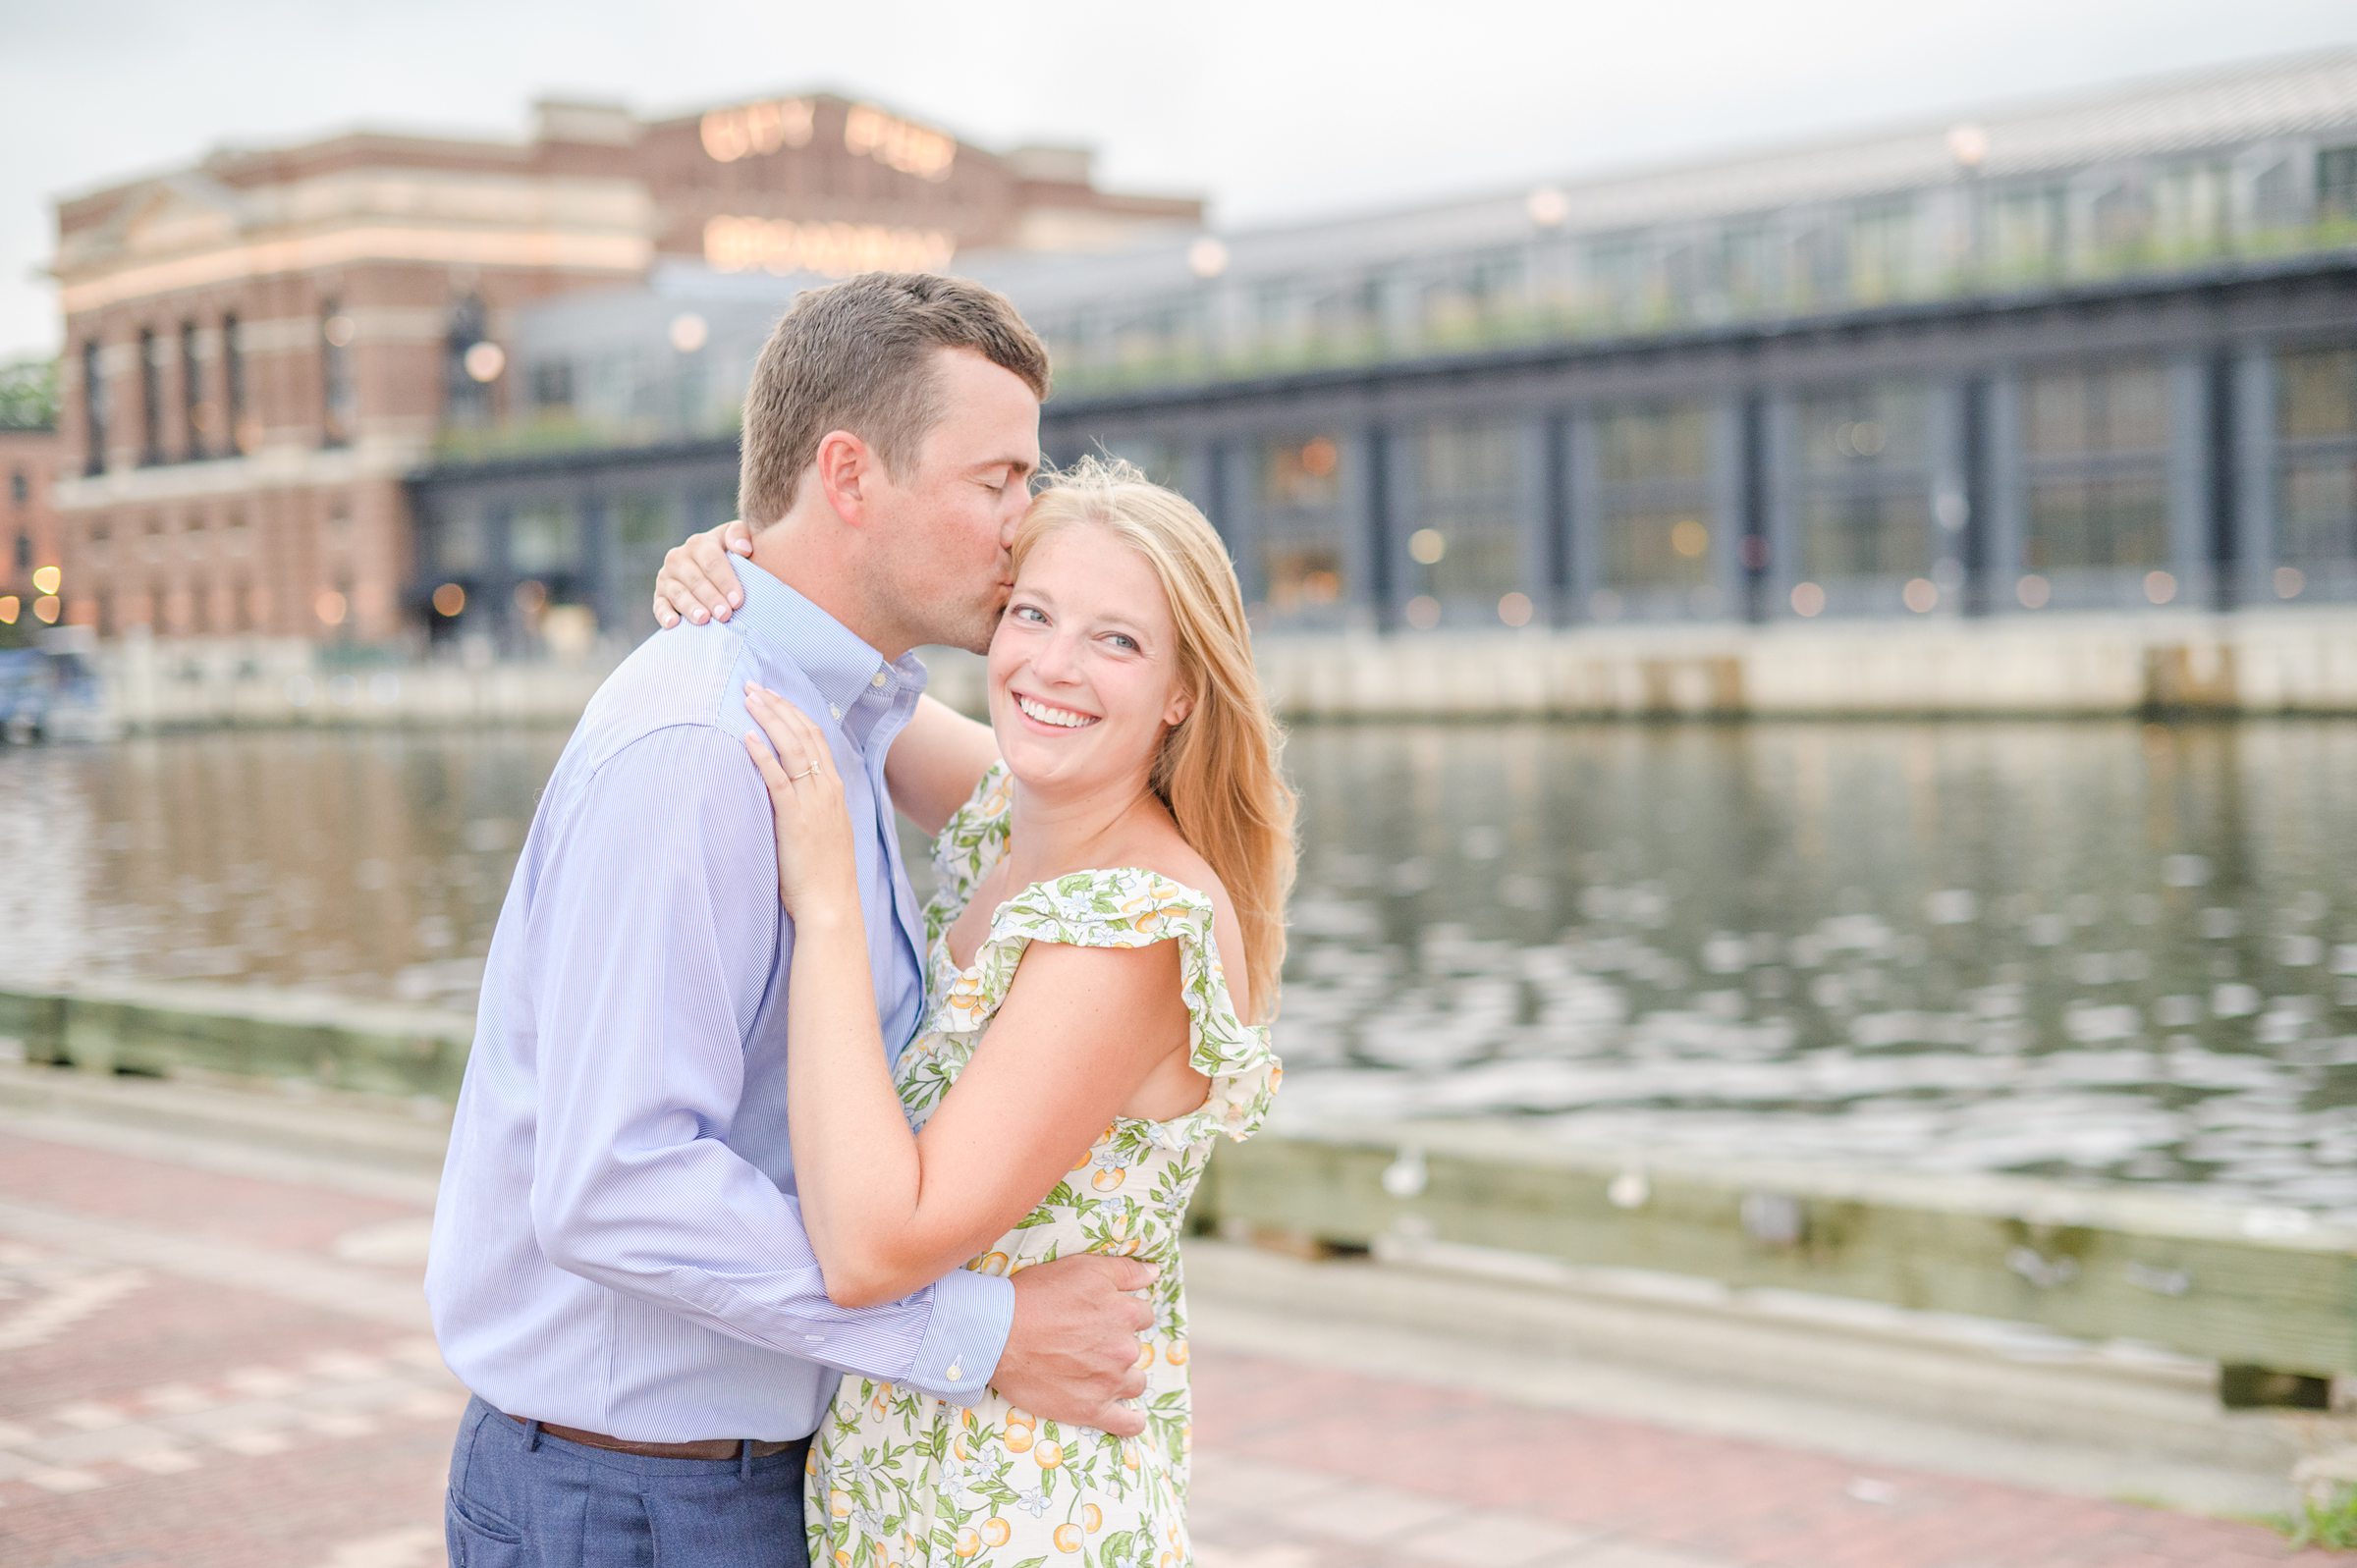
857,355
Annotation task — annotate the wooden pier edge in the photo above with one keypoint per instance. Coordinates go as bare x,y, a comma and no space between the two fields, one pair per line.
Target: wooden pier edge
2269,1294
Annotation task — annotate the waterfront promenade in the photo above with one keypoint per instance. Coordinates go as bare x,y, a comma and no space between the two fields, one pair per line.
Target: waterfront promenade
213,1351
2280,661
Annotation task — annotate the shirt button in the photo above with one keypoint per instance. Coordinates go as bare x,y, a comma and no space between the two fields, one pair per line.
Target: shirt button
956,1371
837,712
879,679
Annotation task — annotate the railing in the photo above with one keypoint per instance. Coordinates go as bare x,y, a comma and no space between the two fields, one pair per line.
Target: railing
1521,322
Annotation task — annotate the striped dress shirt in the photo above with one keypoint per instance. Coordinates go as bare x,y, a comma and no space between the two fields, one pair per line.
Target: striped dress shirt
616,1245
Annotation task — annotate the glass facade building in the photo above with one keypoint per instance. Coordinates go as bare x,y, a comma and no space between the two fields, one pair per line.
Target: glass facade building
2031,364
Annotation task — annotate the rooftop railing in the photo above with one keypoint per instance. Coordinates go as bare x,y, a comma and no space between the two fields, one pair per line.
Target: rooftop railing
1535,319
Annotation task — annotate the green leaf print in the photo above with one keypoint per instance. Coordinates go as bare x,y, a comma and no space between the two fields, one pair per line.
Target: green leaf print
932,1461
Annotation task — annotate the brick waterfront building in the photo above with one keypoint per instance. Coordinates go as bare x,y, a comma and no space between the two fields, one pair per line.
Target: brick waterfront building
260,347
29,535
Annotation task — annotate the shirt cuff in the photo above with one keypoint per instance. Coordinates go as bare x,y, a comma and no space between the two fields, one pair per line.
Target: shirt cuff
971,1315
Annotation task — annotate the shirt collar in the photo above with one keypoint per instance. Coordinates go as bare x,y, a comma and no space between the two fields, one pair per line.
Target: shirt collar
784,626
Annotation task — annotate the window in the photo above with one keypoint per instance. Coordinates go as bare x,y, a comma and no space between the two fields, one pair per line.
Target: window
1464,541
1157,460
544,540
1472,289
233,387
2097,439
195,411
335,375
466,399
2274,196
1882,241
93,407
20,488
1861,484
2336,183
2316,479
151,398
2026,231
1301,524
1746,266
1821,262
1618,277
2122,219
2193,205
462,544
1157,334
1655,508
23,551
644,529
552,386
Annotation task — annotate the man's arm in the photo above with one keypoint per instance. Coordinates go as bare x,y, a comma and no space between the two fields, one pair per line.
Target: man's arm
935,763
649,947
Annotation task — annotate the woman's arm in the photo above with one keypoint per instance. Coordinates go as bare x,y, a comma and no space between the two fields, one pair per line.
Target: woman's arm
933,767
1079,1031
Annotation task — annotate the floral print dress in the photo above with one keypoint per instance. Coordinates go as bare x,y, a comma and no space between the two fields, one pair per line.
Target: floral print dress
899,1477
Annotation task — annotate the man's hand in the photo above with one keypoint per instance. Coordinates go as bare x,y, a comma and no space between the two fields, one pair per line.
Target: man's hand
1071,1354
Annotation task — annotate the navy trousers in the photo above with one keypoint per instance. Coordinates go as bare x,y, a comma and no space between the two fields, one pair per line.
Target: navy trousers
520,1498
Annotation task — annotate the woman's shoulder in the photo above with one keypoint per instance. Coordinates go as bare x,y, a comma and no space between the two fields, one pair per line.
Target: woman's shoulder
1175,860
1172,870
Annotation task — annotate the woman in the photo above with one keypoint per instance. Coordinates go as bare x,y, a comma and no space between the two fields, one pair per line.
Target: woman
1103,960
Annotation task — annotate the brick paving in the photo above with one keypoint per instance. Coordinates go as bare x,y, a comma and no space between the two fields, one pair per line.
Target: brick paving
201,1369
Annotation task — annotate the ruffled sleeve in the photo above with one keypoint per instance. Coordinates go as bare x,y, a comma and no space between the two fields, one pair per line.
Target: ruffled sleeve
1131,907
967,845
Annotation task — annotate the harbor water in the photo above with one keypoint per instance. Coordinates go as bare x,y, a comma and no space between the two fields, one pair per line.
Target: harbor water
2101,950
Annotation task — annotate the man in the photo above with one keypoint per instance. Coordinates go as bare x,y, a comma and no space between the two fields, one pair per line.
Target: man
619,1270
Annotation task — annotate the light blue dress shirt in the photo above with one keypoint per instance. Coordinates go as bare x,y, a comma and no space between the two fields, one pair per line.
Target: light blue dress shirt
616,1245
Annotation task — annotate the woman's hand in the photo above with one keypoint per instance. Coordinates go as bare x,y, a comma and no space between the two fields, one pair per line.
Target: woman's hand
696,579
818,876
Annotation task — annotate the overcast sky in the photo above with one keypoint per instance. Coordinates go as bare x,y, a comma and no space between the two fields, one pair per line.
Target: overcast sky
1272,108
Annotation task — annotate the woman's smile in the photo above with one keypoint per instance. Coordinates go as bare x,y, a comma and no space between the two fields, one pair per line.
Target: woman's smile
1050,716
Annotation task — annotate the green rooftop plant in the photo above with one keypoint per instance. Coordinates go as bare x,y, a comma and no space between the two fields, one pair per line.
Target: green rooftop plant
29,395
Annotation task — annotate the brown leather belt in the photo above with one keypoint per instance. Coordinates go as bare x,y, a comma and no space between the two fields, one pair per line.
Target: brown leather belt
707,1449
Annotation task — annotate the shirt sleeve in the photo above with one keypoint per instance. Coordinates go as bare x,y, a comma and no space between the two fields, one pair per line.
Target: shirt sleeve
650,947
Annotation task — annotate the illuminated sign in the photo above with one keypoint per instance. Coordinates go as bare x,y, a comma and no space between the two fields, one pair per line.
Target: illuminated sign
756,127
895,143
831,250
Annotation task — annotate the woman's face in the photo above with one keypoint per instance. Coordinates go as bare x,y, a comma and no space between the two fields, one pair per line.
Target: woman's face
1083,675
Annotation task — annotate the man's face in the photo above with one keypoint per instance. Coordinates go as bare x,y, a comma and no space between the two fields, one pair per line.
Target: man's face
945,524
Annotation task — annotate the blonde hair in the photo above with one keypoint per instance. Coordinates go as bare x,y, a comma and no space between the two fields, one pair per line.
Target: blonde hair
1217,770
